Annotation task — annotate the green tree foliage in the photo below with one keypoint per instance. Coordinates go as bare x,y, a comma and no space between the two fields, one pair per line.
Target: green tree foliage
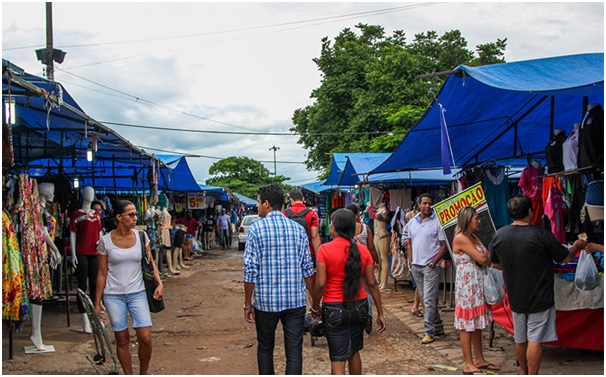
242,175
369,97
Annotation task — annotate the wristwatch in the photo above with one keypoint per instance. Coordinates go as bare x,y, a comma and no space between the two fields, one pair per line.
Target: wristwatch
245,307
431,265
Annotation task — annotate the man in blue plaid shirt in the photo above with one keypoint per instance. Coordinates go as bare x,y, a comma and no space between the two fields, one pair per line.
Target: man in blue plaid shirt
277,269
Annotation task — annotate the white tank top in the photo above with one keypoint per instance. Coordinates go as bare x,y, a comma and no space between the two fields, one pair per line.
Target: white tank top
123,266
363,236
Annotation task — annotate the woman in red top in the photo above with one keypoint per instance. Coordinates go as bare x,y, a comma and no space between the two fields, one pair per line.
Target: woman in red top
341,264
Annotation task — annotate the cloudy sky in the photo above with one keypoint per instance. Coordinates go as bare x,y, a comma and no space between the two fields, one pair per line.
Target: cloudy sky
245,67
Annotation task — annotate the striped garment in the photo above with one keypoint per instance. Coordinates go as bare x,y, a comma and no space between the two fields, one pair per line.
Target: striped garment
277,260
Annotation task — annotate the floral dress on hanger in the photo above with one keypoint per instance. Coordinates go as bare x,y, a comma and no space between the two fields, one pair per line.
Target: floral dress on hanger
15,302
34,250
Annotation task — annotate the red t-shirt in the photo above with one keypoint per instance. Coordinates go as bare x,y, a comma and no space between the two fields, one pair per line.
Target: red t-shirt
310,217
88,229
191,224
334,255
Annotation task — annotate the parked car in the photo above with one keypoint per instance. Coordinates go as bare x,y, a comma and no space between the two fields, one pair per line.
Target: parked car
243,229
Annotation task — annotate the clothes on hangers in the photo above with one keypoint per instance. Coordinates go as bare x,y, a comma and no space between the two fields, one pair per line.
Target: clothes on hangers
555,211
400,198
496,189
554,153
34,249
15,303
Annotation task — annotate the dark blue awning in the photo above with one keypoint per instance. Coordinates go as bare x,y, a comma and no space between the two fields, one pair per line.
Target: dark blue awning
503,112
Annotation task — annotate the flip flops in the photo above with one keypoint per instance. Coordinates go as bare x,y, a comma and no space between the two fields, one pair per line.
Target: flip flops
417,313
489,366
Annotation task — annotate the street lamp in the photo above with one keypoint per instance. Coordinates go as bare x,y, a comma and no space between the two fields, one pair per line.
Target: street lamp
274,148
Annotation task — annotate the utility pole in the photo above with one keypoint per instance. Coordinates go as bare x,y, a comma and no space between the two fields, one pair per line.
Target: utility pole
274,148
50,69
49,55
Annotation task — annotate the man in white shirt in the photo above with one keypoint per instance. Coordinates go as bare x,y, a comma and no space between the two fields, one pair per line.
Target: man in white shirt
427,244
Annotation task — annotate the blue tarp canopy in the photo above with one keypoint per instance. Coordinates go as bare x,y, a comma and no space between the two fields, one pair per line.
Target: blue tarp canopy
433,177
178,177
320,187
346,168
336,168
50,126
503,112
359,164
217,192
249,202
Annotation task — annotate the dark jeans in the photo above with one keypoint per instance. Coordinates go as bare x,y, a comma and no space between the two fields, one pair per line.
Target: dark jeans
86,272
293,323
224,239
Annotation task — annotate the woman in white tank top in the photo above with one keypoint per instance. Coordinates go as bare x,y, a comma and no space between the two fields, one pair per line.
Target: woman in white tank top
120,285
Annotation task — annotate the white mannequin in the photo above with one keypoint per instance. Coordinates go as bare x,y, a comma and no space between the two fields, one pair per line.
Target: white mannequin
577,125
88,195
47,192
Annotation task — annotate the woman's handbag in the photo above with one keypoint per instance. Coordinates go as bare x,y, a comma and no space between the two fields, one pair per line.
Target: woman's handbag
494,291
147,269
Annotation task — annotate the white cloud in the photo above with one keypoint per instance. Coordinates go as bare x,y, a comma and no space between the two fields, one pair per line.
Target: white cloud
254,76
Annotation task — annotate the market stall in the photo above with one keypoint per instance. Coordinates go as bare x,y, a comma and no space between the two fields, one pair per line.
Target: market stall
527,115
51,150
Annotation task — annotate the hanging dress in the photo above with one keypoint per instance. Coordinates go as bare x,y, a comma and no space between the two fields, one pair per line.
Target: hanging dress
34,250
15,302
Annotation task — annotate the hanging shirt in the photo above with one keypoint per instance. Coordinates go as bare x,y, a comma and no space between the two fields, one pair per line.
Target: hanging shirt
87,226
591,138
570,150
554,209
530,183
554,153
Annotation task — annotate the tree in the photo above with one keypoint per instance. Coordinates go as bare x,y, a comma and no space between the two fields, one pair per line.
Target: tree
242,175
369,97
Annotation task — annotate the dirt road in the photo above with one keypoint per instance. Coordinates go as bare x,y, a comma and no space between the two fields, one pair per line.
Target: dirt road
202,331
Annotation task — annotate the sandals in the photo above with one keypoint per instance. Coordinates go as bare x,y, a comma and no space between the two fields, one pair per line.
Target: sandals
489,366
417,313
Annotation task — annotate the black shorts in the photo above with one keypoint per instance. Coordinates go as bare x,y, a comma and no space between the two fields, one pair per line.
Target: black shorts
344,327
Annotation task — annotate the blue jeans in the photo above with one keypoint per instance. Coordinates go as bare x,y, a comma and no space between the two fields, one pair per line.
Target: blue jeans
293,324
428,282
224,237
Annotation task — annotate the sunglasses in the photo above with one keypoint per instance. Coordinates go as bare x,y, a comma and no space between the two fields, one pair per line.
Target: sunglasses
132,215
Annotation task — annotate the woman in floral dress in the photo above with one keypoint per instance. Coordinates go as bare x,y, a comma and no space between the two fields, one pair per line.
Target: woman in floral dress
472,314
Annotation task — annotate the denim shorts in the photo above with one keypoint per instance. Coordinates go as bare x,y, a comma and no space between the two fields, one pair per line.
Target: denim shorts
535,327
189,236
135,304
344,327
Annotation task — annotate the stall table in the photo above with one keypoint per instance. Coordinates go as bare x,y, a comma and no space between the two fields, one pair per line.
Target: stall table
579,316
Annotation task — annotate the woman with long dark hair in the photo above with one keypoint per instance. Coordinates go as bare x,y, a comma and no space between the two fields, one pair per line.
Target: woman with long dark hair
341,264
120,284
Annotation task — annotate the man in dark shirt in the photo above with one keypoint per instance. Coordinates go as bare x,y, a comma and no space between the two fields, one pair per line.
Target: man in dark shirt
525,253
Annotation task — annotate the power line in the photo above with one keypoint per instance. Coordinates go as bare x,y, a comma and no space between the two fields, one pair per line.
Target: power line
252,133
329,18
213,157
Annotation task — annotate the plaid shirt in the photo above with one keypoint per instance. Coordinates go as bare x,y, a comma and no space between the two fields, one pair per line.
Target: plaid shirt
277,261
